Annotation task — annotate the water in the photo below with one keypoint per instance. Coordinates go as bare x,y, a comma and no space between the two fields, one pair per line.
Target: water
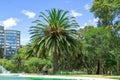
18,77
12,78
25,78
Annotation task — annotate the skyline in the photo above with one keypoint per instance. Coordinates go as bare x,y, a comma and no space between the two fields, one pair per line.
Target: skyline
19,15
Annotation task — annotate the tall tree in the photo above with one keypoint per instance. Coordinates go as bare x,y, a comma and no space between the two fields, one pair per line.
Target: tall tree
54,34
107,11
96,47
116,35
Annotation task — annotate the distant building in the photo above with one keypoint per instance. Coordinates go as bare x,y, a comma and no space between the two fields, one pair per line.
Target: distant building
1,41
9,41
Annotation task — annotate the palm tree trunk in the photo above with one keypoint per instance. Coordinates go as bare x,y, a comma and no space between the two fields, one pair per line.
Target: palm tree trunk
55,62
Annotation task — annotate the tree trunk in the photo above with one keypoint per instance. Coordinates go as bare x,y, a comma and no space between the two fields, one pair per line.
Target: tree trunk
19,64
118,72
99,67
55,62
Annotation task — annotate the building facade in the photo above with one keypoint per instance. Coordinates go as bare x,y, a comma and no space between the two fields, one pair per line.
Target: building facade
9,41
1,41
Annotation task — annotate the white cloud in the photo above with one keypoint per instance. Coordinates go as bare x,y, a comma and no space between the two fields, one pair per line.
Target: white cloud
30,14
67,1
95,20
25,40
10,22
90,21
86,6
1,23
75,14
85,24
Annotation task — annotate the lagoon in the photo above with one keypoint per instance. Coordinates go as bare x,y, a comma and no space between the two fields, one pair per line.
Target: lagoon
44,77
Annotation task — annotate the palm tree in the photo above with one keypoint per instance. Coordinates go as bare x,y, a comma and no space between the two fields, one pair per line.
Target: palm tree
54,34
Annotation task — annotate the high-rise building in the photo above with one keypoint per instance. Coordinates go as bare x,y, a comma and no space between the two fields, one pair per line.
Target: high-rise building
12,41
9,41
1,41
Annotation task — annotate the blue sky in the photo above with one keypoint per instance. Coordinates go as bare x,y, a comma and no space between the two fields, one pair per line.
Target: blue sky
19,14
